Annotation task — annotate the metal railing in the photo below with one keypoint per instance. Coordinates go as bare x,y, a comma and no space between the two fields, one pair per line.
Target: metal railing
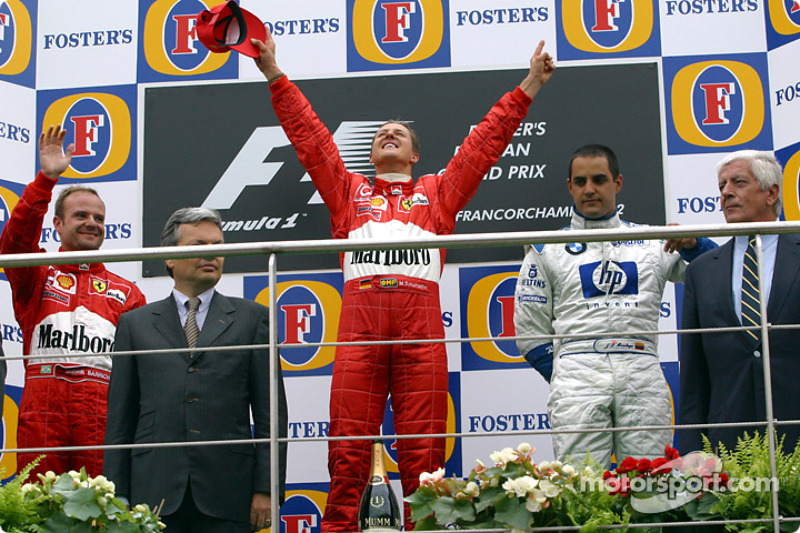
275,249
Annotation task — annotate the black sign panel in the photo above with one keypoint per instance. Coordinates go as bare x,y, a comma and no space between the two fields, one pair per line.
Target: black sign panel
221,146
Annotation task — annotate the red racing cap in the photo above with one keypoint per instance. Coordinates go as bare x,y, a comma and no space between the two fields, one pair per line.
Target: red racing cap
228,27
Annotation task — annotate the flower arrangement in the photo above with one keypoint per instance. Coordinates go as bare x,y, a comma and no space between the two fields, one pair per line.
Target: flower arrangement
516,493
73,502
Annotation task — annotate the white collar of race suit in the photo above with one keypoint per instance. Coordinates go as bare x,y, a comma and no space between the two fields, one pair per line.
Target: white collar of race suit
393,177
581,222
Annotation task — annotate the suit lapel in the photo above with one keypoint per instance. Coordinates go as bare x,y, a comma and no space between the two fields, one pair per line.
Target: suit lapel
219,319
167,323
724,256
784,277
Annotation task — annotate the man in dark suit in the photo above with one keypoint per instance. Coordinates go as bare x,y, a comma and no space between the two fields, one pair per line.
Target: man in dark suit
196,396
722,376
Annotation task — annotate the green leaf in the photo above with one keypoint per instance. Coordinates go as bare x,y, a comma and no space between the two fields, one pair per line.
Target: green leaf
428,524
513,513
82,504
420,512
122,527
64,485
490,498
59,523
446,510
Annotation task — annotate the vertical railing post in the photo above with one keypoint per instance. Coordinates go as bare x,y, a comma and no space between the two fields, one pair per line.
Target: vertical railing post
274,361
765,356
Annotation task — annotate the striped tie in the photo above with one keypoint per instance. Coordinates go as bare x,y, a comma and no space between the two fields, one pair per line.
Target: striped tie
190,328
751,307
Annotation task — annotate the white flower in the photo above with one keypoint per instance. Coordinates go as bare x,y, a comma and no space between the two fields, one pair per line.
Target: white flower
472,489
549,489
48,476
532,505
141,508
504,456
29,487
544,466
568,470
102,501
520,486
538,495
524,448
556,465
429,478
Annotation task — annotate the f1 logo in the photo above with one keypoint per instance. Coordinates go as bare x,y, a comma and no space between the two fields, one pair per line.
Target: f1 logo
3,25
86,131
297,321
506,316
185,34
398,20
605,13
718,100
717,103
299,523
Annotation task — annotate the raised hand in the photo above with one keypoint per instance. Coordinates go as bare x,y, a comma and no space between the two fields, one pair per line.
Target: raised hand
542,68
52,158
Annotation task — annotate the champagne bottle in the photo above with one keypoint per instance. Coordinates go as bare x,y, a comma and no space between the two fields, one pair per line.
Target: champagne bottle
379,510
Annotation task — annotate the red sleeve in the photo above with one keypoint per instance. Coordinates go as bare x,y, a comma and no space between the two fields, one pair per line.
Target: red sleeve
479,152
22,234
314,145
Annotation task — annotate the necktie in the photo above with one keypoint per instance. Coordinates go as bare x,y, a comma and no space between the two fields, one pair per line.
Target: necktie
190,328
751,307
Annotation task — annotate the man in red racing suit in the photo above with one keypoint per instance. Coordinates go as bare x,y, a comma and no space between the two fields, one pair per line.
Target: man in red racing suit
391,294
64,310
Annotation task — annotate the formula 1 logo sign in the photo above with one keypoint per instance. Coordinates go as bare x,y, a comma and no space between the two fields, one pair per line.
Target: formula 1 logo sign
717,104
170,48
99,124
397,34
790,158
487,310
592,28
784,22
308,312
16,43
302,511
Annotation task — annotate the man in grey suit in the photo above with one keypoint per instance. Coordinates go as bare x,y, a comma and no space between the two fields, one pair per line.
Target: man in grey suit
197,396
722,376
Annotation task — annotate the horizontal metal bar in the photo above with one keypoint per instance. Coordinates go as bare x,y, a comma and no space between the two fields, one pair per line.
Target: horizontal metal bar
440,241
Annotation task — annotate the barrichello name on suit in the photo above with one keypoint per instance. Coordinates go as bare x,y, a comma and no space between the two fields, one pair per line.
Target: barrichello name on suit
77,340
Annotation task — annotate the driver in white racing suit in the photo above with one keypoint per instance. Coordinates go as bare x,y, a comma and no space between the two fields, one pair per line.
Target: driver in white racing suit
604,379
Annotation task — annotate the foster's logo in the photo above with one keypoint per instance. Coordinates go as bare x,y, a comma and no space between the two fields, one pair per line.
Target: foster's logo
16,37
591,27
302,511
785,16
487,310
718,104
386,34
99,124
308,312
170,47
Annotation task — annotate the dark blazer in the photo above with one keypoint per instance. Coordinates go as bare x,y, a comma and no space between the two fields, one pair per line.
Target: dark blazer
171,397
721,374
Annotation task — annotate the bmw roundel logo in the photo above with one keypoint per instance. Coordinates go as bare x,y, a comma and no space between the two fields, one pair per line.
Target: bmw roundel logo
575,248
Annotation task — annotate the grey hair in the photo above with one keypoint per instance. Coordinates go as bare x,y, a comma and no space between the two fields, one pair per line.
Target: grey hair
171,233
766,169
